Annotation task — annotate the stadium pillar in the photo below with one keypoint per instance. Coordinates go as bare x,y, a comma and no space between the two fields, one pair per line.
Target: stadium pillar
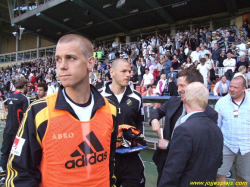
117,39
17,48
38,45
103,43
239,21
211,25
232,21
191,27
127,39
172,30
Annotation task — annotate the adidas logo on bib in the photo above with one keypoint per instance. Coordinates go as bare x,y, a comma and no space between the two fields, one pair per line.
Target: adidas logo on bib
88,155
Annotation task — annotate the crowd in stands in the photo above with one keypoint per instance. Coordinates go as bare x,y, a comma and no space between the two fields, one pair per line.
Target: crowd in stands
155,60
213,53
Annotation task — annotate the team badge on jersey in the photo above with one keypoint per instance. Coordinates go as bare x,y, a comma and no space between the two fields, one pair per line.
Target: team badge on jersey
129,102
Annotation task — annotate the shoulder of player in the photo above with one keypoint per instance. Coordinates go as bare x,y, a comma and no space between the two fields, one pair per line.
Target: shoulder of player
136,93
37,106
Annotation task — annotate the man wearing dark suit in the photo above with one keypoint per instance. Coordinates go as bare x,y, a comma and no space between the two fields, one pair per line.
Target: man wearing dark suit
173,110
195,151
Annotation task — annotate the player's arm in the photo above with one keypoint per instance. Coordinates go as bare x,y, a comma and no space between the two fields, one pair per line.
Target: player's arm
26,153
113,144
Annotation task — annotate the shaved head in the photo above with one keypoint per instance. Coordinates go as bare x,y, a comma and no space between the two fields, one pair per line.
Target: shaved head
116,63
85,44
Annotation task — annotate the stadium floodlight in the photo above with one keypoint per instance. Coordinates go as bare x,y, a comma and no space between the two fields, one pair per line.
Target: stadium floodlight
107,5
14,33
134,11
120,3
90,23
20,32
66,19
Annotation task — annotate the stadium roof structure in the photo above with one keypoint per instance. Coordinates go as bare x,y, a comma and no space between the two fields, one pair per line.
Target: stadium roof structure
99,18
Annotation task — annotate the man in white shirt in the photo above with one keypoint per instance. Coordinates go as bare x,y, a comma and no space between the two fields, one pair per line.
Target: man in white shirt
148,78
195,55
229,63
223,86
204,70
51,89
242,48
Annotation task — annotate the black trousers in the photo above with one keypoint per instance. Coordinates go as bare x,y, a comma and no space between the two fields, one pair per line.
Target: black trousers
129,170
8,140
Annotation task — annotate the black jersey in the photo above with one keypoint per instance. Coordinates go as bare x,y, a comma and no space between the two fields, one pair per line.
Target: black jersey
17,105
130,109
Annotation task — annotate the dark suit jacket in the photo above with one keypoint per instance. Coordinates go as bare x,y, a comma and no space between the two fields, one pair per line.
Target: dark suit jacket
172,89
195,152
172,111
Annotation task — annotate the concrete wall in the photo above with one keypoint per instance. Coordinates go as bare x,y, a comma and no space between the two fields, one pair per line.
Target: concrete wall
28,41
45,43
8,45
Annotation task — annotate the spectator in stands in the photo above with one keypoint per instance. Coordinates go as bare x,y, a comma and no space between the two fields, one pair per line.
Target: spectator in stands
149,107
140,71
221,87
242,62
203,51
210,64
216,53
242,72
231,38
222,57
92,77
161,85
173,74
51,89
172,88
157,69
204,70
242,48
229,63
57,87
133,80
188,63
220,41
99,82
176,63
193,43
195,55
167,65
148,79
232,109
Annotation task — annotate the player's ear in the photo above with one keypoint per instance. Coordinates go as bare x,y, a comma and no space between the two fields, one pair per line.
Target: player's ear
91,63
112,72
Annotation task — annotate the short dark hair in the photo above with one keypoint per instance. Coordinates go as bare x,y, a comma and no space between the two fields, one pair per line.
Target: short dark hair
191,74
149,86
203,60
43,85
20,83
207,55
